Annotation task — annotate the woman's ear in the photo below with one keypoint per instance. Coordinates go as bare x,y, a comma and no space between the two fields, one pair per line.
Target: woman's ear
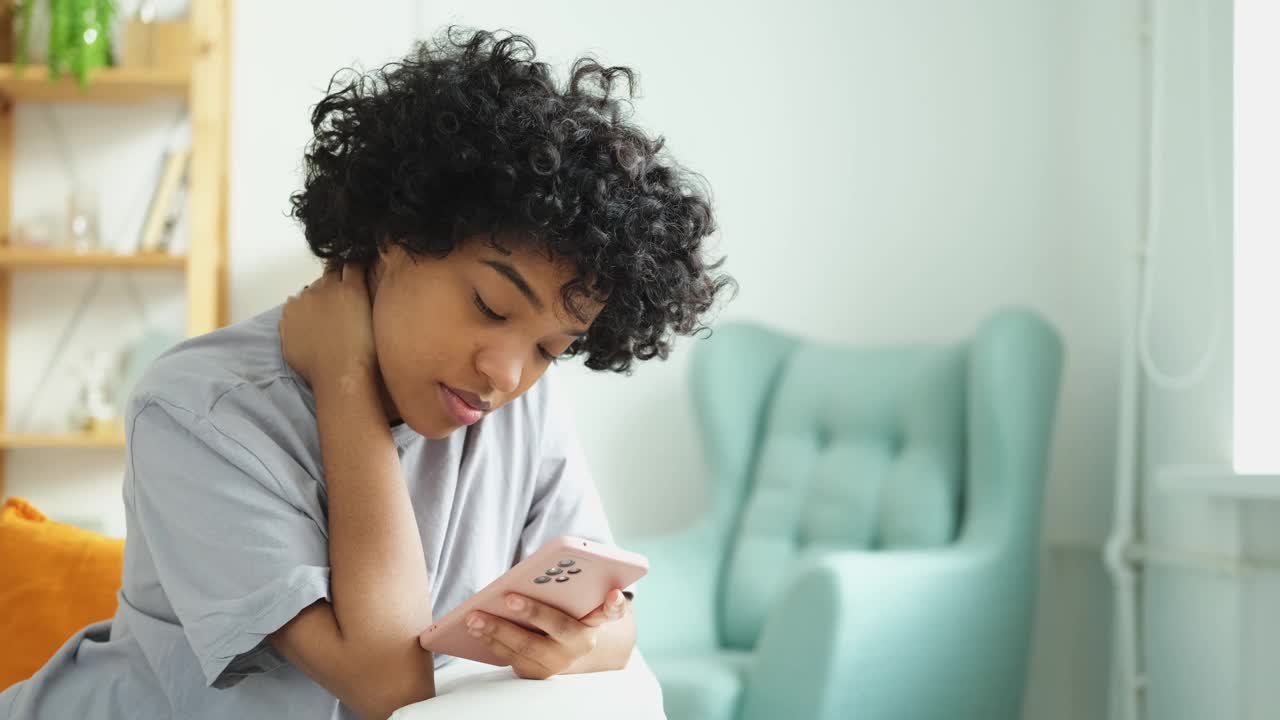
388,257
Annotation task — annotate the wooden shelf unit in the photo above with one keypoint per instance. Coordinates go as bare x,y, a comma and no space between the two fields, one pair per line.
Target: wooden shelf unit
205,88
63,260
111,85
42,441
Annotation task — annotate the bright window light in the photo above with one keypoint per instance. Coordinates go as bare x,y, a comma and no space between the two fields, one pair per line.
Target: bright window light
1256,162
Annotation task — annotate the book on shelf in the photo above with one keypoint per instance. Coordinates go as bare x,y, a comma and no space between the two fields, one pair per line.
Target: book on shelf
162,214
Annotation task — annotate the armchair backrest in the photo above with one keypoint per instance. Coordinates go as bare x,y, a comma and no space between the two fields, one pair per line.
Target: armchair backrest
819,448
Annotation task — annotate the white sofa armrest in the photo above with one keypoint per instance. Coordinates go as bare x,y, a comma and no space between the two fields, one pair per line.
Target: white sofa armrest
467,690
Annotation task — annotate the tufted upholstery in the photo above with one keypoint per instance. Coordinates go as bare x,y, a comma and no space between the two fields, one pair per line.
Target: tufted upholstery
861,449
871,541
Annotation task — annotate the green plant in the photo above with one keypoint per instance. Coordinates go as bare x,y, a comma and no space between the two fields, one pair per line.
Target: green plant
79,35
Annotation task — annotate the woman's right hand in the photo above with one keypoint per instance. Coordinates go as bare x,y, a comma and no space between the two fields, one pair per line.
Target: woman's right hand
326,330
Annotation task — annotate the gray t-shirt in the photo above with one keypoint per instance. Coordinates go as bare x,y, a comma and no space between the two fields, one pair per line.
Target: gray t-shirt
227,536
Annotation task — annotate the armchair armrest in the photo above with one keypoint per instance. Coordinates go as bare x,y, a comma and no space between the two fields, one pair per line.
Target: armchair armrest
896,635
675,603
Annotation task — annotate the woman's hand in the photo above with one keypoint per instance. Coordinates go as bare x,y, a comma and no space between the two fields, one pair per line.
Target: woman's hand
567,640
326,330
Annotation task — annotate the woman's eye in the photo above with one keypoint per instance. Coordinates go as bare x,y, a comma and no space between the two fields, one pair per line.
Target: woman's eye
565,355
486,309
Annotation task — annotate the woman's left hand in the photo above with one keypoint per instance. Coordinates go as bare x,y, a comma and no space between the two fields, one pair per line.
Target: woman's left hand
326,330
567,640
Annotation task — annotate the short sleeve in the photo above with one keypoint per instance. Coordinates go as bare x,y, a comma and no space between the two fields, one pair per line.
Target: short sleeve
565,500
235,559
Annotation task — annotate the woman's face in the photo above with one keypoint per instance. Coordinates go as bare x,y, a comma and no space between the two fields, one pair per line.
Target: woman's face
464,335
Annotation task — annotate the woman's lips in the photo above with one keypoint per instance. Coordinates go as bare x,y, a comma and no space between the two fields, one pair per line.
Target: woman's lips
463,413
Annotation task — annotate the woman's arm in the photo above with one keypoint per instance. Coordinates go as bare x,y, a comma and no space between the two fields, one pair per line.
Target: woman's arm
364,646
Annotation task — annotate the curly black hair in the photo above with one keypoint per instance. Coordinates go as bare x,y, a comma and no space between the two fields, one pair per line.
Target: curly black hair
469,135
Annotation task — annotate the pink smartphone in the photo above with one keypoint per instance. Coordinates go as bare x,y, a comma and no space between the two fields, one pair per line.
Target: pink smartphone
568,573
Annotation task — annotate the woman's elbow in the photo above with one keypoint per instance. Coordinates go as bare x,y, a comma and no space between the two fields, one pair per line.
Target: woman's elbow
388,686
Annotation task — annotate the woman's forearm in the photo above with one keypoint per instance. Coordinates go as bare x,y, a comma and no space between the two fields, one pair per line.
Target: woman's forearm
363,645
378,574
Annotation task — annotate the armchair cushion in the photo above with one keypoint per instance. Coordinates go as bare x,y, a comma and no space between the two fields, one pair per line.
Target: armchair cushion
862,448
702,687
931,635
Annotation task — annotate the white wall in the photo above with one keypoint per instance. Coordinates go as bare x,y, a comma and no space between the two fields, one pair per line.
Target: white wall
882,172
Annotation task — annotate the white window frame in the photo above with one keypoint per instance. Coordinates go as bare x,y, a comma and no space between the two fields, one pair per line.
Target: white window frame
1256,239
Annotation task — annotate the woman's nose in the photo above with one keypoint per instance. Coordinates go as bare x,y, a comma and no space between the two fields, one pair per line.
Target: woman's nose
502,367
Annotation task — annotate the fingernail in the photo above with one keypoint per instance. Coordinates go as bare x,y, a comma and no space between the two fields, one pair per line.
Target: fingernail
475,623
515,602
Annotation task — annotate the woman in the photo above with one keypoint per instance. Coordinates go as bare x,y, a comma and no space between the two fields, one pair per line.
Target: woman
306,489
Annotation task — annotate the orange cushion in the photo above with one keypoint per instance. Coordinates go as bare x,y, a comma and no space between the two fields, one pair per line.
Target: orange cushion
54,579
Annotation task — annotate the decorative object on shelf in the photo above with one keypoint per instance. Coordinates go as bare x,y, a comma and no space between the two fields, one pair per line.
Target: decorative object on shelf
148,42
161,218
96,410
153,343
36,234
82,220
79,35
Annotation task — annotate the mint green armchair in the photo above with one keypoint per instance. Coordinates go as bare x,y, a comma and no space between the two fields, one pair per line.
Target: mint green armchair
870,550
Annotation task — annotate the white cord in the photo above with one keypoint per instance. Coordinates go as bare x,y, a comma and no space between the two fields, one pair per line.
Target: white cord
1127,700
1159,376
